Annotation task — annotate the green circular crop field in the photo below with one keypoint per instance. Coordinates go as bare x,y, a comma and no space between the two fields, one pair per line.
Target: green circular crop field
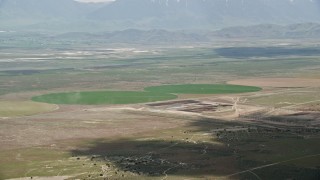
202,89
103,97
151,94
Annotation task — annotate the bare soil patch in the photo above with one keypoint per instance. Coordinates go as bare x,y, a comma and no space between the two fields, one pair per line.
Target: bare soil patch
78,123
192,106
43,178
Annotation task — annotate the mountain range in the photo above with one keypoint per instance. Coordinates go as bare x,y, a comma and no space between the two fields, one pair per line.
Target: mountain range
70,15
165,37
292,31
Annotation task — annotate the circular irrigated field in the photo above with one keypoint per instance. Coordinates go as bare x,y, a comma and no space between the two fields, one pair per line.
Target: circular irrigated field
151,94
23,108
103,97
278,82
202,89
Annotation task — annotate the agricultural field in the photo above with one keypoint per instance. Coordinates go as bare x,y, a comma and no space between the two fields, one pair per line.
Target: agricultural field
202,89
180,112
151,94
24,108
103,97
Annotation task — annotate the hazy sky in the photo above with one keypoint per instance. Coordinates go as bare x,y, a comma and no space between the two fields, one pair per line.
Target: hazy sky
95,0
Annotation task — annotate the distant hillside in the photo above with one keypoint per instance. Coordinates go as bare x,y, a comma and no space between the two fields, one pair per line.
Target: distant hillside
159,36
302,30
